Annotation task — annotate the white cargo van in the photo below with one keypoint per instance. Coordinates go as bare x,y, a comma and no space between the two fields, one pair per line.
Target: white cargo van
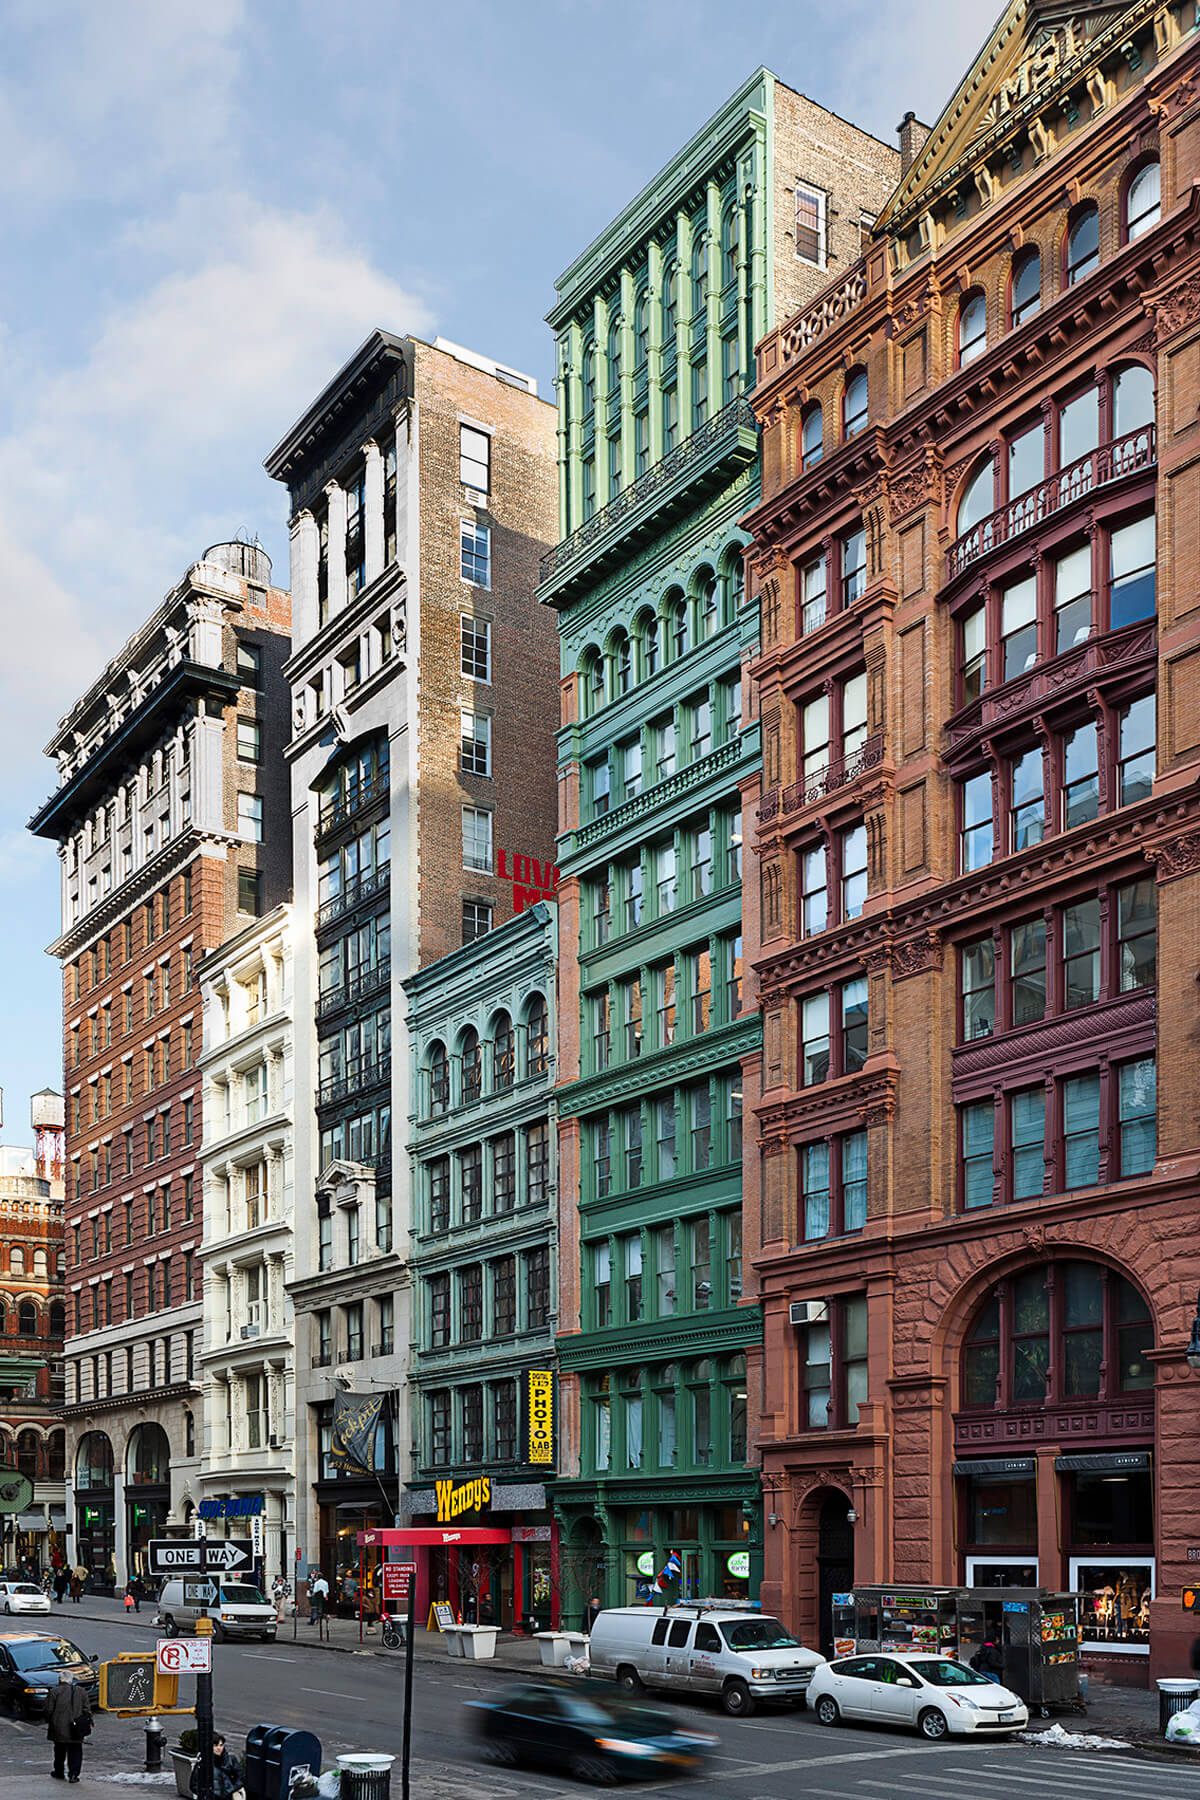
702,1647
241,1611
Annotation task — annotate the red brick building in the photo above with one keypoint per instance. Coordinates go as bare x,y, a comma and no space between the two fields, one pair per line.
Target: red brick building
972,1205
171,818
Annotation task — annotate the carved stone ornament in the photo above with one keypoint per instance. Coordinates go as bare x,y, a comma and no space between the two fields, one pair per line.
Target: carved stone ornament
833,306
916,956
915,488
1178,309
1181,857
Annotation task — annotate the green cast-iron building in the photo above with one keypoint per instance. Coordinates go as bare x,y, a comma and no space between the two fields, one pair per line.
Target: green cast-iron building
656,322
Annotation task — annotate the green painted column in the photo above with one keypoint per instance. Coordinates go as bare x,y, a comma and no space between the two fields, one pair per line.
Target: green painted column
712,197
601,315
654,310
762,214
683,325
574,350
627,357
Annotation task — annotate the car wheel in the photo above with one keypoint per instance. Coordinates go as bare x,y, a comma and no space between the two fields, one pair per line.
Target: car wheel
169,1626
629,1679
827,1709
737,1700
7,1607
932,1724
595,1769
500,1752
218,1634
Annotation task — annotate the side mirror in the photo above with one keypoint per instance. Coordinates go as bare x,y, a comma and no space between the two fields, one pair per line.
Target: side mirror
907,1681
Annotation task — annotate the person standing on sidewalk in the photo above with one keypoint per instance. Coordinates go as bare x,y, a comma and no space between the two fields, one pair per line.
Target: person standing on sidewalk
318,1597
68,1723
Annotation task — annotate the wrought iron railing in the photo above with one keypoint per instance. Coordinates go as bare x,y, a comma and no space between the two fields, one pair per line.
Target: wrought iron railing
363,887
356,1078
696,449
652,799
358,793
836,774
367,981
1109,462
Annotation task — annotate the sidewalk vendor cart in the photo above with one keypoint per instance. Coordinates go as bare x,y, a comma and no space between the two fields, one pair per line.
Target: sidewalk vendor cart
1036,1632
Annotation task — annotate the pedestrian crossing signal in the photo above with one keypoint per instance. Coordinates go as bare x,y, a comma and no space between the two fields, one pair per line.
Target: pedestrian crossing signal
1190,1597
132,1684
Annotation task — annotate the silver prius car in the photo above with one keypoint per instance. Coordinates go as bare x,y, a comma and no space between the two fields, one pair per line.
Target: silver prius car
935,1694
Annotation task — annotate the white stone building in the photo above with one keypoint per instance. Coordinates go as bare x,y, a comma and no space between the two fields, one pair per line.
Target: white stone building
247,1365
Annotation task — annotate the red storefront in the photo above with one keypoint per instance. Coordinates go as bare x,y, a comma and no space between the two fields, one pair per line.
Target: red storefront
487,1570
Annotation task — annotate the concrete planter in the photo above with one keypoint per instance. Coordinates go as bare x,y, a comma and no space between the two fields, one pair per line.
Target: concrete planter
557,1646
183,1764
453,1635
479,1641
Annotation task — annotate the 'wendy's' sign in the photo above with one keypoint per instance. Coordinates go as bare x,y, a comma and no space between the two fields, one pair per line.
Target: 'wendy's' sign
532,880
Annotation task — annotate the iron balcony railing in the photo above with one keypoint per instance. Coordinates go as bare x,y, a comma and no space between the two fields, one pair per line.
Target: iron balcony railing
359,793
367,981
836,774
694,450
363,887
358,1077
1109,462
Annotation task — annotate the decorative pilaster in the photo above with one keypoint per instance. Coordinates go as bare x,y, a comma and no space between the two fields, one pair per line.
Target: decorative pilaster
712,288
372,509
654,347
335,586
306,551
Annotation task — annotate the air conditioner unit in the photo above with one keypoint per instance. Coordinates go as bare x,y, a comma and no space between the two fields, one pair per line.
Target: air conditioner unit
808,1312
249,1331
475,497
274,1443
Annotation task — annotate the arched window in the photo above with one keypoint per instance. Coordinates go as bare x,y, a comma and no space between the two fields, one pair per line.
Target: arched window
588,375
148,1458
670,300
439,1080
537,1036
58,1319
978,499
972,328
641,329
41,1265
681,637
27,1454
646,627
592,671
471,1062
708,605
94,1461
735,581
1143,202
1083,243
504,1052
1026,285
614,355
854,404
812,436
622,655
56,1456
729,246
699,272
27,1319
16,1260
1073,1331
1133,401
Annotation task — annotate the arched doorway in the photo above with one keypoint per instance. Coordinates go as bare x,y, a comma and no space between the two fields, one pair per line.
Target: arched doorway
835,1560
147,1492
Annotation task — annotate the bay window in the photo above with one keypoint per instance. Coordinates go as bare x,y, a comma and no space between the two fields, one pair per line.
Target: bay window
1027,810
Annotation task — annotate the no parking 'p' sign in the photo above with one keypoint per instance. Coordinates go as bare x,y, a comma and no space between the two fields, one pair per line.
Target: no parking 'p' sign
184,1656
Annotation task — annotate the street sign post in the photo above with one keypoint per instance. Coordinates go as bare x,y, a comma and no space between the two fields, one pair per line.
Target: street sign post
184,1656
197,1556
197,1560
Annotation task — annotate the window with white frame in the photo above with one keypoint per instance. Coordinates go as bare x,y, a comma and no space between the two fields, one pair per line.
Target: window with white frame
475,654
477,839
810,224
250,817
476,552
474,458
475,752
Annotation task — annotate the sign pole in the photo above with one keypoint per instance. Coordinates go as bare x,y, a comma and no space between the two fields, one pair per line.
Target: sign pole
408,1674
204,1706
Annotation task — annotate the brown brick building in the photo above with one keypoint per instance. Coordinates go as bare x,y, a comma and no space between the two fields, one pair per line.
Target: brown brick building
970,1205
171,821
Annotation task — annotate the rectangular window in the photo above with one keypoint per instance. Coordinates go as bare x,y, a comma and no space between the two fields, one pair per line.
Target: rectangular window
439,1194
475,544
475,745
700,845
476,920
249,741
249,663
504,1296
537,1165
629,755
812,595
1072,598
814,1050
1081,1131
470,1178
665,980
977,969
631,1017
854,567
631,1126
440,1430
477,839
1018,628
1131,574
250,892
1027,1122
700,1264
975,834
854,1025
665,1138
699,714
504,1173
814,893
601,911
537,1289
816,1189
601,1030
1026,461
250,817
810,225
602,1285
974,655
1136,935
600,786
1136,1109
1135,751
470,1304
474,458
602,1156
663,738
700,1104
978,1124
1081,776
665,878
700,967
632,1254
853,856
1028,815
1081,953
1027,967
475,648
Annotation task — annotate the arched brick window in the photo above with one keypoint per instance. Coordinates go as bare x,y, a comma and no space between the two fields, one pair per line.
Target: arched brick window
1055,1333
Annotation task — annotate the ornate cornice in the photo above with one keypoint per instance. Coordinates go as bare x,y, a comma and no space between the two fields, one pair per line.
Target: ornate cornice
694,1334
725,1045
866,1099
1110,1029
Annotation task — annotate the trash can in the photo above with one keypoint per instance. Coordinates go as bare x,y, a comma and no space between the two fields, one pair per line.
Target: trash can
366,1776
1174,1697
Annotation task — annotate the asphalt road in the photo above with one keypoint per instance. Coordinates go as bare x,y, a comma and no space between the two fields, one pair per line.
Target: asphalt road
354,1702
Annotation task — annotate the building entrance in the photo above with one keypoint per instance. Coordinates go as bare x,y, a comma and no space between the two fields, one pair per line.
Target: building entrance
835,1561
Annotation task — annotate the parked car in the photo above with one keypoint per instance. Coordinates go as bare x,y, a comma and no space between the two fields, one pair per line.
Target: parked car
935,1694
241,1610
30,1665
702,1647
23,1597
598,1738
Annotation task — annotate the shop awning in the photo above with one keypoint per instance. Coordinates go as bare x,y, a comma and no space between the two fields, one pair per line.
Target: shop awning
1110,1462
440,1536
998,1465
58,1518
31,1521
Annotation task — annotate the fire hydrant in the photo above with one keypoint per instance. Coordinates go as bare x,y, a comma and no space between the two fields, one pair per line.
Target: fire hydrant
156,1737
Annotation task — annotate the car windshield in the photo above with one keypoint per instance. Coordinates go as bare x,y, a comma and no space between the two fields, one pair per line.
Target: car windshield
45,1653
241,1596
758,1634
25,1587
941,1673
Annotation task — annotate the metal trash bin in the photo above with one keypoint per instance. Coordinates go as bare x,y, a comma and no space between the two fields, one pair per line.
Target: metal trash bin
366,1776
1175,1697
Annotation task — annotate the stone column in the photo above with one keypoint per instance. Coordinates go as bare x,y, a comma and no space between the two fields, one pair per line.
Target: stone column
305,555
335,585
1050,1571
601,316
120,1533
683,323
373,509
628,301
713,308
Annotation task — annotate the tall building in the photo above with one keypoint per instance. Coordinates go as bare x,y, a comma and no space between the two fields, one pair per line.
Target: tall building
484,1265
171,822
421,489
246,1466
977,848
655,323
32,1324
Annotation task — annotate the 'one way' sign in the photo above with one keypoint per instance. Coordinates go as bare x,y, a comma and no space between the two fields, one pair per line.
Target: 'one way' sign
184,1556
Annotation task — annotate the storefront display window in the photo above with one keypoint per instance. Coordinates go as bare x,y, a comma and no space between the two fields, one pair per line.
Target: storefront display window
1112,1509
1002,1571
1117,1592
1001,1510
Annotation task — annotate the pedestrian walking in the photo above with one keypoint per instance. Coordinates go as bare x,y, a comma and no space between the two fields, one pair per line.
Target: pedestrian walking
227,1772
76,1586
138,1591
68,1724
318,1598
593,1610
62,1582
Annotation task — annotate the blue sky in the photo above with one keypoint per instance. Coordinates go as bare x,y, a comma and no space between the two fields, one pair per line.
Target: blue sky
209,203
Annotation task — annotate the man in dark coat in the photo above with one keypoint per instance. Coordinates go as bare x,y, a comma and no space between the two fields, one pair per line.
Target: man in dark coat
227,1771
68,1722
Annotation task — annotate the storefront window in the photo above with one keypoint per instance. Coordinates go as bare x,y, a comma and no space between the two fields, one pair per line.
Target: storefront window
1111,1508
1117,1592
1000,1510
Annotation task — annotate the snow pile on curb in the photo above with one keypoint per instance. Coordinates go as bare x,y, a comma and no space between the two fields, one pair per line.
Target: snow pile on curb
137,1778
1058,1739
578,1665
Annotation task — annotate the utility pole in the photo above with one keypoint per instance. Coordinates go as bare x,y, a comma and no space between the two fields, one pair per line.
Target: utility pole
408,1674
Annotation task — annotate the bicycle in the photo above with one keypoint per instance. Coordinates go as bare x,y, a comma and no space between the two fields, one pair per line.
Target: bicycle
395,1632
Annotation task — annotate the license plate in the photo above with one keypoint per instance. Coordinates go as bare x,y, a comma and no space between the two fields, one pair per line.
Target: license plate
1008,1715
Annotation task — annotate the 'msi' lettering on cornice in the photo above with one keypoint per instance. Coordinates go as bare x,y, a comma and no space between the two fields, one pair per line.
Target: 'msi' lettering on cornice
1040,65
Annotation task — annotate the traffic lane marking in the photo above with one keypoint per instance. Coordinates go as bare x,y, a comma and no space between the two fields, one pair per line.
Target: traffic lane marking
332,1693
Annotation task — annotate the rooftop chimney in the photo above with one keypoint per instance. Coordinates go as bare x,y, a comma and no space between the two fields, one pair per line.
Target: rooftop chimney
912,135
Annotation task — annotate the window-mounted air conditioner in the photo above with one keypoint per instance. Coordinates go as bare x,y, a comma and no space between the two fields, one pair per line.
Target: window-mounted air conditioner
808,1312
249,1331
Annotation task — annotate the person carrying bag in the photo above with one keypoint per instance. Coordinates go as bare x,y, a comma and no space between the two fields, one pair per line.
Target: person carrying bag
68,1723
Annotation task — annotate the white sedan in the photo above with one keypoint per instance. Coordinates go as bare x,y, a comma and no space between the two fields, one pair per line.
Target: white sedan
934,1693
22,1597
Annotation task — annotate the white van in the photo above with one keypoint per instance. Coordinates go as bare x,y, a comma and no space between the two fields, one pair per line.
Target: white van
242,1611
702,1647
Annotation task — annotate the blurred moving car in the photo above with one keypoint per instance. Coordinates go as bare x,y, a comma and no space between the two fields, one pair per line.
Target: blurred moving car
30,1665
938,1696
702,1647
600,1738
23,1597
